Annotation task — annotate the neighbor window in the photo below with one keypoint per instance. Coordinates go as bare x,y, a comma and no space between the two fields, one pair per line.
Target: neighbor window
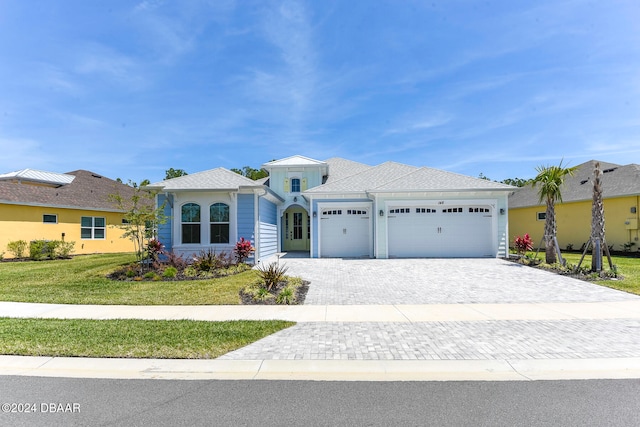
219,217
92,227
50,219
541,216
191,223
295,185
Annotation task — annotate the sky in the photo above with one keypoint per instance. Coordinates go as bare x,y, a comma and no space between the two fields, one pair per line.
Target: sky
129,89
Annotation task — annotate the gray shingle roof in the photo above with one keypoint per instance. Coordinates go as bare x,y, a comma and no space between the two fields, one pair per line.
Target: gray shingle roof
368,179
340,168
429,179
214,179
88,190
616,181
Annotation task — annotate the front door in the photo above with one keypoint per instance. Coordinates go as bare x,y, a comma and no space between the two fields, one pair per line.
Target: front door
296,229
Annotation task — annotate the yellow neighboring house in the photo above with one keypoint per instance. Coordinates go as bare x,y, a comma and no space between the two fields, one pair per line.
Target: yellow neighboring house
621,194
73,207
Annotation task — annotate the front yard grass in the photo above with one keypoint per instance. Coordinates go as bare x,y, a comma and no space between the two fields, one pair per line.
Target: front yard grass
158,339
82,280
627,266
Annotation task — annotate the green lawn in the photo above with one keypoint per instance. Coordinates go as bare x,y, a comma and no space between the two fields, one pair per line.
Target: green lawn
628,267
158,339
82,280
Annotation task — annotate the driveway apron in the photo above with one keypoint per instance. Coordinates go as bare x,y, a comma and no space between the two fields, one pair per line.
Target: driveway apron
428,284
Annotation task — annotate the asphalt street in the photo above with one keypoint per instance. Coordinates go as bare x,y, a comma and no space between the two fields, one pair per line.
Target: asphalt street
317,403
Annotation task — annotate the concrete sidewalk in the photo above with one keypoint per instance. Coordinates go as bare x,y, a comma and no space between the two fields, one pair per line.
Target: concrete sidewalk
629,309
457,356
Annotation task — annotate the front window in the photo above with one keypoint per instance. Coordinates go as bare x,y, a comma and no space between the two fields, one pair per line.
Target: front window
191,223
295,185
50,219
542,216
92,227
219,214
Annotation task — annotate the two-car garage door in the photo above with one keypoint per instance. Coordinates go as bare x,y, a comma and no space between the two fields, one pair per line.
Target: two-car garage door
440,231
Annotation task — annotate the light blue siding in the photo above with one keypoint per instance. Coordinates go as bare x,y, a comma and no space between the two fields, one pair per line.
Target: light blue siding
164,230
268,244
246,217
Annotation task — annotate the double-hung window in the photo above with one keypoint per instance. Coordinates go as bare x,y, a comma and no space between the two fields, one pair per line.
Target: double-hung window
92,227
190,223
219,216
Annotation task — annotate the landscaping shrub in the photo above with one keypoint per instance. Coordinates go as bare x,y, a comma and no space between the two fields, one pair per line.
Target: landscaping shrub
243,250
170,272
286,296
37,250
272,274
17,248
65,249
523,244
208,261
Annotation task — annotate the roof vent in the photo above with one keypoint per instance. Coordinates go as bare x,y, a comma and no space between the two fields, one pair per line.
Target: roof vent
584,181
609,170
95,176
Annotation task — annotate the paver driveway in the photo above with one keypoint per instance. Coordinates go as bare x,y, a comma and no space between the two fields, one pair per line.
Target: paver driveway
405,282
438,281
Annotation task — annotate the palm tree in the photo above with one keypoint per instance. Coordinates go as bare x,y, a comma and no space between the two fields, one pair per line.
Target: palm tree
549,183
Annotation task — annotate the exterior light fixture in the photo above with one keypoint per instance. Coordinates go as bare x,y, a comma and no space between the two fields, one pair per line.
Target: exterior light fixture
501,211
381,212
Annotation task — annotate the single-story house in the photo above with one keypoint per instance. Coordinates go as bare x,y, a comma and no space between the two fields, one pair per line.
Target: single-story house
72,206
621,196
336,208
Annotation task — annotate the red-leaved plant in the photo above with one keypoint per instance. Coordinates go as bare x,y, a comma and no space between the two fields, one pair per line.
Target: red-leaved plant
155,248
523,244
243,250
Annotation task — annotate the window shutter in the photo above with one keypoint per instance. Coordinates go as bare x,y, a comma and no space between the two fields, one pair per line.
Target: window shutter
286,185
304,184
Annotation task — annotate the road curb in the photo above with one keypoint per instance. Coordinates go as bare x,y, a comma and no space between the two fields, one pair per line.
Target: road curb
322,370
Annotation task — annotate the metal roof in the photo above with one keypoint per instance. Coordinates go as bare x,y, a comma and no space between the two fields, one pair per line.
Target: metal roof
38,176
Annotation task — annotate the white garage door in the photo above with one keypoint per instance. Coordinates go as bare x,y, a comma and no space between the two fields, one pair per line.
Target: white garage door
345,232
440,232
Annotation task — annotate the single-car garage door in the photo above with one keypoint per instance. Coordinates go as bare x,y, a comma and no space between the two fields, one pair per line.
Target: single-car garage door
440,231
345,232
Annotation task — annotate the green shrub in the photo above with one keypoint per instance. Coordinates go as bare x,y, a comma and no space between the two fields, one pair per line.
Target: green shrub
36,250
170,272
17,248
262,294
149,275
286,296
272,274
190,271
50,248
130,273
65,249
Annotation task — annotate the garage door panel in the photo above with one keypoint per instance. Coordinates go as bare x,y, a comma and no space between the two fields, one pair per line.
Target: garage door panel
461,231
345,233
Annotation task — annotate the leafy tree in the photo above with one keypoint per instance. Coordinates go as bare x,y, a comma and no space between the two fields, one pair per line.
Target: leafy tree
251,173
517,182
174,173
141,216
549,184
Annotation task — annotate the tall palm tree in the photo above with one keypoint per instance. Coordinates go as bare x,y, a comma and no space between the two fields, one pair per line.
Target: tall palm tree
549,183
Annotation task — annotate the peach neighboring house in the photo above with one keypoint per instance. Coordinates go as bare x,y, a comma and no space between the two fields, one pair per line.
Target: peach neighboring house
71,206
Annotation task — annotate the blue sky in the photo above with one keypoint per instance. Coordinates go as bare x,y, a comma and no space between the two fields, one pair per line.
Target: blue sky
129,89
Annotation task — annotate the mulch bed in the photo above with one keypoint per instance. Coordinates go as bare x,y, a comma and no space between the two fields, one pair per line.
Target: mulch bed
301,294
